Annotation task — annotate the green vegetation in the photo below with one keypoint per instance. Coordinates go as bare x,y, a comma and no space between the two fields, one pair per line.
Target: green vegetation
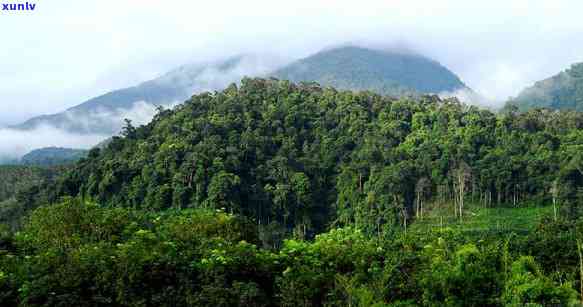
16,178
18,183
561,92
479,219
76,254
303,157
282,194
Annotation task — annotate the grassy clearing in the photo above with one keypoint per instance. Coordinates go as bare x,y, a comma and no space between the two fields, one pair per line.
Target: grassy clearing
478,219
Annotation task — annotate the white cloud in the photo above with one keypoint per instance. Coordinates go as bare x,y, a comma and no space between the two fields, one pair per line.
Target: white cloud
469,97
68,51
16,143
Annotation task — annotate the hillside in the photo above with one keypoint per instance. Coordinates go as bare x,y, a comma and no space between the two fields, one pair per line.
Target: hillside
276,151
18,181
15,178
278,194
563,91
384,72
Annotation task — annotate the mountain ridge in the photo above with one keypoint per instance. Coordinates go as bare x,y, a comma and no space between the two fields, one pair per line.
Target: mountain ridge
386,72
563,91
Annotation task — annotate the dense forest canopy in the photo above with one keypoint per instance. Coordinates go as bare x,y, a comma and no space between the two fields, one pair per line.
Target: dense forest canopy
305,156
19,177
280,194
17,183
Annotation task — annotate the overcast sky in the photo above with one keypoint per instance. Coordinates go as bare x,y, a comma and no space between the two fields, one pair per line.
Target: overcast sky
67,51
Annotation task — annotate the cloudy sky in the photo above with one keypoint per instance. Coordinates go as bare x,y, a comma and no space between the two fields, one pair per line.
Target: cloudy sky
67,51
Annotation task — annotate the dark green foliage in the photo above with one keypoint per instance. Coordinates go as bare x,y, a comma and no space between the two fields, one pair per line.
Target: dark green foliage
15,177
23,188
81,254
391,73
305,157
76,254
276,194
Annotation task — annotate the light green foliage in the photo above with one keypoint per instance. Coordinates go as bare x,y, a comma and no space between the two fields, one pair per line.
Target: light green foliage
528,286
465,276
479,219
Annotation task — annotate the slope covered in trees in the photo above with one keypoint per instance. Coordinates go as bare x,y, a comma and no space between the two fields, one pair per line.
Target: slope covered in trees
17,182
391,73
15,178
282,194
303,157
563,91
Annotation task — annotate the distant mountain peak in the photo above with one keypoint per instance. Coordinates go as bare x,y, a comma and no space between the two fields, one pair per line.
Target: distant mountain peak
104,114
563,91
389,72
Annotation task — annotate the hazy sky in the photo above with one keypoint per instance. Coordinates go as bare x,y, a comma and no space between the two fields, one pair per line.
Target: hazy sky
67,51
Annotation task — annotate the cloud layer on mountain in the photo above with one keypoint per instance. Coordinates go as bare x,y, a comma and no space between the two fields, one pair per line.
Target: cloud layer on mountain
15,143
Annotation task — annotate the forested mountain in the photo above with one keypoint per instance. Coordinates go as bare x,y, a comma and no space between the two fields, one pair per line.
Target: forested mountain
563,91
105,114
384,72
304,156
280,194
51,156
393,73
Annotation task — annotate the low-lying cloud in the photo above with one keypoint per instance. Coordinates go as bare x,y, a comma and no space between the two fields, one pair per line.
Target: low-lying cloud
14,143
469,97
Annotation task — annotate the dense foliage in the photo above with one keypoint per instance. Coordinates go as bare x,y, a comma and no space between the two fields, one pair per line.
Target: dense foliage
16,178
561,92
22,188
282,194
77,254
303,157
394,73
